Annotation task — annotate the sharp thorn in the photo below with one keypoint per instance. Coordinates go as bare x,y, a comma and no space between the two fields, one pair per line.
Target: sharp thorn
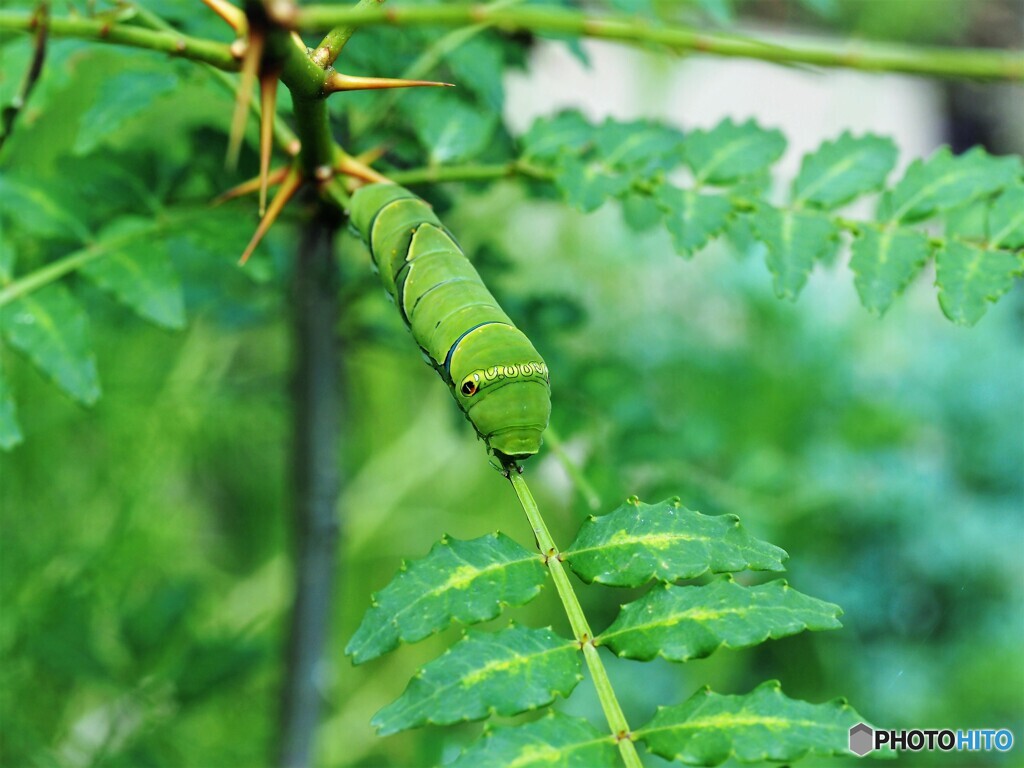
340,82
289,187
351,166
274,178
250,66
371,156
232,14
268,99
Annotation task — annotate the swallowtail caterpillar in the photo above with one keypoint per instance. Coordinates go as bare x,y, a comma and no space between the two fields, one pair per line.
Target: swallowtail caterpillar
493,371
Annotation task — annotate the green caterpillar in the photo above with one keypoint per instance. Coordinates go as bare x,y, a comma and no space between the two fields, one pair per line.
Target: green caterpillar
494,373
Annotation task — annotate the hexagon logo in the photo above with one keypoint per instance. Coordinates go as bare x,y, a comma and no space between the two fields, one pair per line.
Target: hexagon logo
861,739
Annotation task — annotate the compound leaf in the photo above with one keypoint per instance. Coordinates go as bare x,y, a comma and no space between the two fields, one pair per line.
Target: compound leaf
730,152
463,581
795,240
884,261
121,96
709,728
553,740
10,430
449,128
681,623
844,169
1006,219
692,219
665,541
945,180
37,212
137,270
970,278
642,145
52,330
588,184
549,137
503,673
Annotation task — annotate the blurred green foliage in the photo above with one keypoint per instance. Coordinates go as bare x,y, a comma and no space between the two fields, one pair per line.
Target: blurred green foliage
145,550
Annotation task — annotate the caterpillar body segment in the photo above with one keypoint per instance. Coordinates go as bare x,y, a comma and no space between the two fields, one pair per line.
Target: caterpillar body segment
493,370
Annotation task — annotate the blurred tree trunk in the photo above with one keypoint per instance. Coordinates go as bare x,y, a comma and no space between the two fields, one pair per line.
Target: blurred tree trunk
316,407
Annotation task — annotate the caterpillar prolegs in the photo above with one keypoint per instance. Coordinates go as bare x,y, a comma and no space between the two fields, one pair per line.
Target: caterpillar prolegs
494,373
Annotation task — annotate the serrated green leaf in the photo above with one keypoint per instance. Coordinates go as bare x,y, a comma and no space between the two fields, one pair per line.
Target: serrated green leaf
503,673
51,330
553,740
37,212
587,185
448,127
844,169
681,623
944,181
884,261
730,152
137,270
692,219
1006,219
795,240
971,278
458,581
549,137
642,145
764,724
10,430
120,98
665,541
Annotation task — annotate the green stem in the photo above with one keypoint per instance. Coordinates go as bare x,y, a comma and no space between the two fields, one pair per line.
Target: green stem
917,60
577,620
173,43
54,271
334,41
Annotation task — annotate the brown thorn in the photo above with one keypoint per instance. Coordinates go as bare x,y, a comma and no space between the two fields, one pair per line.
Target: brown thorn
233,15
250,66
289,187
371,156
268,99
340,82
351,166
274,178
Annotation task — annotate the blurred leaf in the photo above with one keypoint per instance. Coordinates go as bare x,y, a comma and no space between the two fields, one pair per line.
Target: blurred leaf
121,97
692,219
212,665
502,673
665,541
970,278
137,270
35,212
844,169
587,185
52,330
730,152
463,581
553,740
944,181
149,624
709,728
1006,219
7,259
549,137
884,261
477,64
827,9
641,212
10,430
642,145
720,11
795,240
682,623
448,127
